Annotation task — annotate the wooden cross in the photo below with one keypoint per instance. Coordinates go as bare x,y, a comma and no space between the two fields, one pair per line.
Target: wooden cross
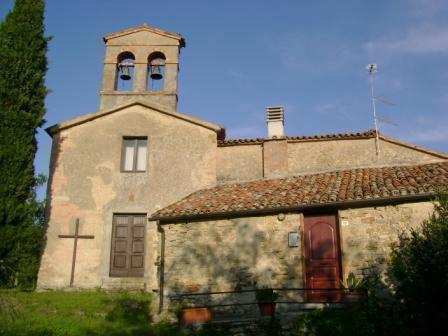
76,236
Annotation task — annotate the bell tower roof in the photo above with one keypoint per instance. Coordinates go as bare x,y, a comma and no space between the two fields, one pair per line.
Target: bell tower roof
148,28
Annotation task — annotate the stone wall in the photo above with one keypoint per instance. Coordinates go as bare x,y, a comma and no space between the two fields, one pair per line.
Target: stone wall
86,183
227,254
317,156
247,162
239,163
367,233
141,44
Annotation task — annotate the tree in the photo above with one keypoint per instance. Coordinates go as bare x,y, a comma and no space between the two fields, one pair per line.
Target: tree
23,65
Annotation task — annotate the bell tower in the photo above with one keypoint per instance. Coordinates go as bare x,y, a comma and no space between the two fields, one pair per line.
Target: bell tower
141,64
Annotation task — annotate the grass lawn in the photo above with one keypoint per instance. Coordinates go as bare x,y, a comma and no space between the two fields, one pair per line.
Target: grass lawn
78,313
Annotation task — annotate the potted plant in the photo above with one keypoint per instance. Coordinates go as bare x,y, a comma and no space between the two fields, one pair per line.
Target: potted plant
266,298
351,286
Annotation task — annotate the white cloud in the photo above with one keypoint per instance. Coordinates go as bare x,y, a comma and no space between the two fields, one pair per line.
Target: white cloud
312,52
426,8
425,39
439,134
341,111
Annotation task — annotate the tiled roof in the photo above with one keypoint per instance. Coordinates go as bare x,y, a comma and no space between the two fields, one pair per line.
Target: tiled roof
147,27
339,187
335,136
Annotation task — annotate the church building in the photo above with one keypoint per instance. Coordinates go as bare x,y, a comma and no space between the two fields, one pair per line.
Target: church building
142,196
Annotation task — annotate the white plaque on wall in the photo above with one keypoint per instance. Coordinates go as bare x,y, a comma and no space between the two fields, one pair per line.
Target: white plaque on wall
293,239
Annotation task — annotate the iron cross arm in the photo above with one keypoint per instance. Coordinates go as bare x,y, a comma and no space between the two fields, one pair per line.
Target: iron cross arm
78,236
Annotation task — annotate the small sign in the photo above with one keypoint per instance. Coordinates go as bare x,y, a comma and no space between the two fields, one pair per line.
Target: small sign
344,222
293,239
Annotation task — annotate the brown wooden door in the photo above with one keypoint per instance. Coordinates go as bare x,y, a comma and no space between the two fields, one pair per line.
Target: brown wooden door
322,260
128,246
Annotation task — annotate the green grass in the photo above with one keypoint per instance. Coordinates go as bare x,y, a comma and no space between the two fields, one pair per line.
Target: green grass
86,313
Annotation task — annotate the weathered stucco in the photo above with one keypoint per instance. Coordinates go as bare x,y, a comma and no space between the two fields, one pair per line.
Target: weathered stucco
239,163
87,183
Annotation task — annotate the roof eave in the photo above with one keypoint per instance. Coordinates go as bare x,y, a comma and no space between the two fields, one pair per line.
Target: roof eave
440,155
91,116
146,27
302,207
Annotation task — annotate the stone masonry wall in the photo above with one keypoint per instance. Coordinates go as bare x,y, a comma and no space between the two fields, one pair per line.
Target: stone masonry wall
231,254
318,156
367,233
240,163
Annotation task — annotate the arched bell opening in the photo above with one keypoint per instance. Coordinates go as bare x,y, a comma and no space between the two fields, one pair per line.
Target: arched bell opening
124,78
156,72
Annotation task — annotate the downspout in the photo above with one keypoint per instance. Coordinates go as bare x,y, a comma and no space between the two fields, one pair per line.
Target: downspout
161,265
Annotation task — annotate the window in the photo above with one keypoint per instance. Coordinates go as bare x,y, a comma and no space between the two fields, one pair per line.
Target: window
156,72
124,77
134,154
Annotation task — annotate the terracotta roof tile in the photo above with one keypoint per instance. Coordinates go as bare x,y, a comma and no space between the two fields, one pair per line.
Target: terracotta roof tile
335,136
311,190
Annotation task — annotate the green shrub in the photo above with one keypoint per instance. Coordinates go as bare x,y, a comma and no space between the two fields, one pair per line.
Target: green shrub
370,315
418,272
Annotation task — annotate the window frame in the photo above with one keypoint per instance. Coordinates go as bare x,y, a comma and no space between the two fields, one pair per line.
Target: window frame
135,139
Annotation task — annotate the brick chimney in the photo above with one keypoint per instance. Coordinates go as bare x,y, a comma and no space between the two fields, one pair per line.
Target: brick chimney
275,121
275,150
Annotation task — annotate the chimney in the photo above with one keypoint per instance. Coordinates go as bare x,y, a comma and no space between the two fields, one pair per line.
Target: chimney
275,120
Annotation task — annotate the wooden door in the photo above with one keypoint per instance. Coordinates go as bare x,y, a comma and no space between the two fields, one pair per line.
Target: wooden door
322,260
128,246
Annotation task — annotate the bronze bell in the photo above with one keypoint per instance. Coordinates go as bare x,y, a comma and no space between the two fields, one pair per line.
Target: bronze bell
124,68
156,67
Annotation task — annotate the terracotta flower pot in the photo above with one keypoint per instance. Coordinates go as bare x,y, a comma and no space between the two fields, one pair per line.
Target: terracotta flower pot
190,316
267,308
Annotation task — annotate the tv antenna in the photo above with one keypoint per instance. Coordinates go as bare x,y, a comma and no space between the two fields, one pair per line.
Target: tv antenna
372,68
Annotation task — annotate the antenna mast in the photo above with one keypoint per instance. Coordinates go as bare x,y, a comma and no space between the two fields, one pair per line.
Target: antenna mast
372,69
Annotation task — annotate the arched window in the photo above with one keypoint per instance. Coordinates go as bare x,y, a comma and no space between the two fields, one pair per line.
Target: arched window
124,77
156,72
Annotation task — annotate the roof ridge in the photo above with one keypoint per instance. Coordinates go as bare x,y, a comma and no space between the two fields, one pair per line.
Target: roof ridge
144,26
326,136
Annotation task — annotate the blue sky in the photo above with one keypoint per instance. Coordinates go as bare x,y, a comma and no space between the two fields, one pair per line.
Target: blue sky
242,56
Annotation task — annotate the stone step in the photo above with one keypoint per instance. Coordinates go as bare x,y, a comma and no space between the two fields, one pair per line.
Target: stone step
130,284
